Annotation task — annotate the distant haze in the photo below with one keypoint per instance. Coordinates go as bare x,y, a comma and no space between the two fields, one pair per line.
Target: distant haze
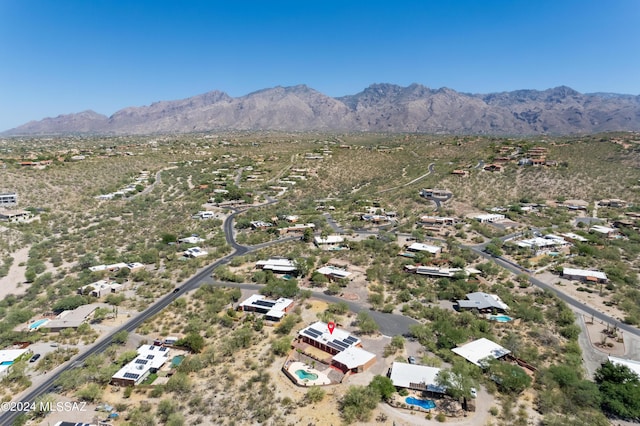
379,108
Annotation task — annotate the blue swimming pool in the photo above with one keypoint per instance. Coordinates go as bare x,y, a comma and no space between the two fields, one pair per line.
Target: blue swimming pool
38,323
500,318
306,375
427,404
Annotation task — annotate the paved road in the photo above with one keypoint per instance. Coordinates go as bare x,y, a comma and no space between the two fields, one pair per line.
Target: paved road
389,324
512,267
333,224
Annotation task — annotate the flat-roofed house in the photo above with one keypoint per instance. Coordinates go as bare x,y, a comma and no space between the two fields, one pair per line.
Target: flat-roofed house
483,302
149,360
273,310
334,273
420,247
478,350
416,377
585,275
345,349
279,265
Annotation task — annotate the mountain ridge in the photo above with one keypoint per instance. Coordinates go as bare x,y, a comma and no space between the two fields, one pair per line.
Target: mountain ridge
379,107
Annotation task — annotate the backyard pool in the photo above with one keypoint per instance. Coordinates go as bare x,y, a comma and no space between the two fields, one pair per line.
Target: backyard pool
427,404
6,363
500,318
306,375
177,360
38,323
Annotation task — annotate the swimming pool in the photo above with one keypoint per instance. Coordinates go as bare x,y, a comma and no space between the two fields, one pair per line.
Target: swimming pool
6,363
38,323
500,318
427,404
177,360
306,375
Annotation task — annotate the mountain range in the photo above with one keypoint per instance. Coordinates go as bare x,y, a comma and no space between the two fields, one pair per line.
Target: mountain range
378,108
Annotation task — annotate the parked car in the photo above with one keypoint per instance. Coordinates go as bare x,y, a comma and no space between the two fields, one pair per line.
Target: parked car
34,358
412,360
474,392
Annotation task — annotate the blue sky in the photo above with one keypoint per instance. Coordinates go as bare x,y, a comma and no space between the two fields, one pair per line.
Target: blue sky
64,56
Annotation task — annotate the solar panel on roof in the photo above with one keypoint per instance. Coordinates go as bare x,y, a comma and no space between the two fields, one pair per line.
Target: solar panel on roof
315,331
131,376
264,303
141,361
341,344
162,349
311,333
150,356
351,339
334,346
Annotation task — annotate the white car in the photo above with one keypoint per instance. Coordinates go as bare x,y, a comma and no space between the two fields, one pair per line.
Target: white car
473,392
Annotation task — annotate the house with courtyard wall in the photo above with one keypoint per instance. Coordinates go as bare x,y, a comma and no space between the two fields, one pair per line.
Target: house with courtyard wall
149,360
273,310
345,350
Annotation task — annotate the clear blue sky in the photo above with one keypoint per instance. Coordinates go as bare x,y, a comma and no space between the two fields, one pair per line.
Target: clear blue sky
64,56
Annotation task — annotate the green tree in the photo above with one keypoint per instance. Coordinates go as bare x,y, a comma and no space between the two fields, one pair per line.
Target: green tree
366,323
358,403
120,338
315,394
458,380
510,378
281,346
192,341
383,386
620,389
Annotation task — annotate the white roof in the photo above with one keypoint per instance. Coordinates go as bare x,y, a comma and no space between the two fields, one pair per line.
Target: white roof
424,247
480,300
602,229
329,239
98,268
480,349
149,356
573,236
584,273
276,307
541,242
332,270
195,252
319,332
278,264
631,364
9,355
353,357
489,217
191,240
403,375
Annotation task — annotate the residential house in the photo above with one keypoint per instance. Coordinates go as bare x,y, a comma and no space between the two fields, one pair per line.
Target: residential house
461,173
278,265
149,360
345,349
437,220
483,302
8,198
416,377
273,310
334,273
100,288
14,215
479,350
195,252
328,242
420,247
493,168
194,239
298,228
585,275
489,218
603,230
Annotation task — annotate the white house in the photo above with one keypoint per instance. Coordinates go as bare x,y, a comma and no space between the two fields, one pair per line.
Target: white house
489,218
418,247
584,275
328,241
280,265
100,288
334,272
481,349
191,240
416,377
195,252
273,310
149,360
483,302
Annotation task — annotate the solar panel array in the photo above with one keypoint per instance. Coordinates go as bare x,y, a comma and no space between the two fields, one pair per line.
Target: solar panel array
131,376
150,356
266,303
339,345
141,361
162,349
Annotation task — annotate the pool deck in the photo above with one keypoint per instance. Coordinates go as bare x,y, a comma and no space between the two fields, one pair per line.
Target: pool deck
322,379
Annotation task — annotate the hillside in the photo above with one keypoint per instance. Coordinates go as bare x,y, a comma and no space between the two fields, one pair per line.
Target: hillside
378,108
